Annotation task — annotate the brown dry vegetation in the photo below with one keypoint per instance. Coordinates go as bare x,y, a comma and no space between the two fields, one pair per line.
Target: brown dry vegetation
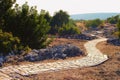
108,49
109,70
81,26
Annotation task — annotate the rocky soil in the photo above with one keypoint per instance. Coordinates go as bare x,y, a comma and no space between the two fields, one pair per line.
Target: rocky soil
115,42
80,36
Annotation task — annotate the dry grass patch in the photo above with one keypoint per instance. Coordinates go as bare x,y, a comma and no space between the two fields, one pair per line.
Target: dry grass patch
108,49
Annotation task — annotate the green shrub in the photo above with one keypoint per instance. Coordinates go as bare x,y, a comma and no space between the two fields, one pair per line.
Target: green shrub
68,29
93,23
8,43
116,34
113,19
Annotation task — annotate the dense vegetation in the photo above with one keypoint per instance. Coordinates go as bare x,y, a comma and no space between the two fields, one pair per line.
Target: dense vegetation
68,29
93,23
113,19
5,6
8,43
58,20
29,27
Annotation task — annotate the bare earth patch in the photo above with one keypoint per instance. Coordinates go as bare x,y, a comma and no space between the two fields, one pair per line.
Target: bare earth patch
108,49
110,70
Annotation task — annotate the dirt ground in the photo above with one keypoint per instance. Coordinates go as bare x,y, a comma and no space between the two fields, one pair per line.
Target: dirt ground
108,49
109,70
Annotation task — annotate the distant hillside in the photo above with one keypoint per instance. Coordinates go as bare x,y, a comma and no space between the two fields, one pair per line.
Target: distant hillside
90,16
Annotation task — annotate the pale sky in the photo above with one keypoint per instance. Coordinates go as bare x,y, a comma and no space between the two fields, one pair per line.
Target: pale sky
75,6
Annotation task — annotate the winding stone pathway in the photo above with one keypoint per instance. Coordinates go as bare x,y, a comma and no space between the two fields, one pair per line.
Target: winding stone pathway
93,58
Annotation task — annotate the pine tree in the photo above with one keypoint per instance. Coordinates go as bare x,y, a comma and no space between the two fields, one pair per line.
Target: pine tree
5,6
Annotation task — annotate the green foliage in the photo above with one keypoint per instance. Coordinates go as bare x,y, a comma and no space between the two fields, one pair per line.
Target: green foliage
28,25
41,31
47,17
93,23
58,20
68,29
8,43
27,49
5,5
118,25
113,20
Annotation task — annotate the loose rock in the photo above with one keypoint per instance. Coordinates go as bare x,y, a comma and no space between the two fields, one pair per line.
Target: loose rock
55,52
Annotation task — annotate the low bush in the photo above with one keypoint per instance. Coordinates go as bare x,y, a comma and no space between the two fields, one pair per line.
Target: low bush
8,43
69,29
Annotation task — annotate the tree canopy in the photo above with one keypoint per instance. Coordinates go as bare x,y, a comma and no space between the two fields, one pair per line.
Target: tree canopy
5,6
28,25
60,18
113,20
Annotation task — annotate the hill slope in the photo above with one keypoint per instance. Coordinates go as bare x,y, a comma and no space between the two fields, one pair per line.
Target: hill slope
90,16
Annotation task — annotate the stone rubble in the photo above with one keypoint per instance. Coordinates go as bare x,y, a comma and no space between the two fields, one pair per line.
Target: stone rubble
114,41
55,52
93,58
80,36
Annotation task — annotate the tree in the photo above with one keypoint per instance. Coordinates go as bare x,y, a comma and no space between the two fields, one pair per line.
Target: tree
47,17
58,20
113,20
28,25
40,32
5,6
